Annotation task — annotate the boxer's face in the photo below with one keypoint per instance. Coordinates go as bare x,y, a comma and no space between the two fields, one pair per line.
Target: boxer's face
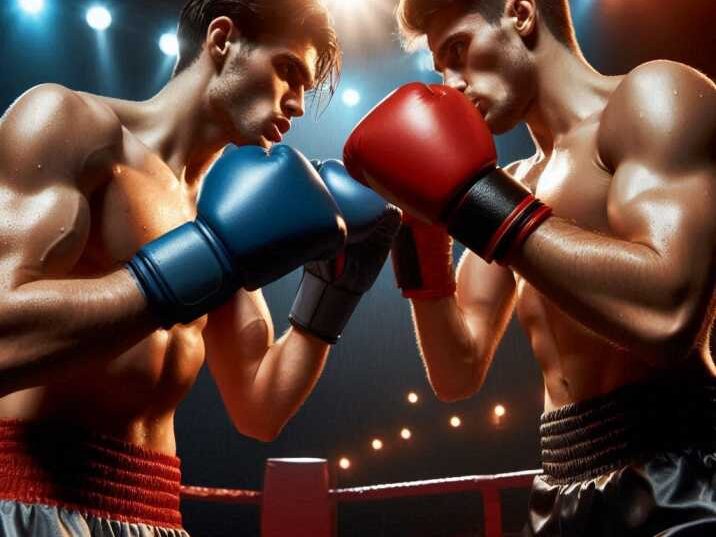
261,88
487,62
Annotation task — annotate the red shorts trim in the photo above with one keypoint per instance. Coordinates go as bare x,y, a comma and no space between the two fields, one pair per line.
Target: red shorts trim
57,465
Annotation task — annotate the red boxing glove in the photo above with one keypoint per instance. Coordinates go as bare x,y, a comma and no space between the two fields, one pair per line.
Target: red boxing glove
428,150
422,260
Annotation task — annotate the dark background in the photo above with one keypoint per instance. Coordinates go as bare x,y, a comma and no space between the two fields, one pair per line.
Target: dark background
362,393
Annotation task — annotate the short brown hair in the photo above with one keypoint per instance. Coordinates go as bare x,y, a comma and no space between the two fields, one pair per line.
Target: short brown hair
414,15
255,18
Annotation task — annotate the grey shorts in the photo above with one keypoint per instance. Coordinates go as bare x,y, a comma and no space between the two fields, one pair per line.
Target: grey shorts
24,520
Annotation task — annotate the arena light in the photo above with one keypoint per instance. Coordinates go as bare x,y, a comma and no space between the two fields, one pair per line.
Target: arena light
406,434
359,21
344,463
99,18
168,44
498,415
32,6
413,398
455,422
377,444
350,97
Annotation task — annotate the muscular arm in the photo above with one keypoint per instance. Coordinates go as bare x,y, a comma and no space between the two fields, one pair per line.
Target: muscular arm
458,335
262,382
648,286
50,322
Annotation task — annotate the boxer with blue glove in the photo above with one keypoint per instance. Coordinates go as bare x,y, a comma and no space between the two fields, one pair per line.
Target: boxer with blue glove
131,254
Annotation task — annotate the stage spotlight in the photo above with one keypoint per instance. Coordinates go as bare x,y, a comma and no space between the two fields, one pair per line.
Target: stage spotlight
99,18
455,422
405,434
168,44
500,411
350,97
413,398
32,6
344,463
377,444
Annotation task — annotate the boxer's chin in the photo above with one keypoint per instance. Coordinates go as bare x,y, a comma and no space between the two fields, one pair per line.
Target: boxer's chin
498,123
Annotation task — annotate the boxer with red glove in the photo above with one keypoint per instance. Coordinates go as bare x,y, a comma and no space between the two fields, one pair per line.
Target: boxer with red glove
446,169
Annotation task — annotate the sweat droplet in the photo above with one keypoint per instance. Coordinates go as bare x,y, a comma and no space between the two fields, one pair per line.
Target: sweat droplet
676,92
39,166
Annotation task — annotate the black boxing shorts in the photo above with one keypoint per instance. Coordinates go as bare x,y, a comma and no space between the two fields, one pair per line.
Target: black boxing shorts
640,461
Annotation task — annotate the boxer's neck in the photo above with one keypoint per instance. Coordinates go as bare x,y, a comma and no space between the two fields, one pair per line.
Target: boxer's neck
568,90
175,124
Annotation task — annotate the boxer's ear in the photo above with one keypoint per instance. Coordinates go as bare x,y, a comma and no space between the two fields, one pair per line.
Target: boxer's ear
524,15
219,35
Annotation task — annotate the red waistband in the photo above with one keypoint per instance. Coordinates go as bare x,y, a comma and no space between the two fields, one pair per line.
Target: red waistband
58,465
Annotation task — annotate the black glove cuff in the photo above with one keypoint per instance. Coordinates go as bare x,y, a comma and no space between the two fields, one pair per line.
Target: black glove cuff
322,309
491,213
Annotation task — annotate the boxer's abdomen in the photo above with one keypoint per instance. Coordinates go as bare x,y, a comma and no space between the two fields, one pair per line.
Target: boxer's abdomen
577,363
132,398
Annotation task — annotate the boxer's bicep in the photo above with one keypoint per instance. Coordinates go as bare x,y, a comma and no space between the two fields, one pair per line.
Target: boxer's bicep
237,336
660,133
45,138
42,235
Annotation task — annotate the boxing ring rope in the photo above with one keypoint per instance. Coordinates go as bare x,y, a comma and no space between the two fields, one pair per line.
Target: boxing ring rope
297,501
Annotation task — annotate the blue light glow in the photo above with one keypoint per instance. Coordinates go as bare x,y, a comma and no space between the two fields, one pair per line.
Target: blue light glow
99,18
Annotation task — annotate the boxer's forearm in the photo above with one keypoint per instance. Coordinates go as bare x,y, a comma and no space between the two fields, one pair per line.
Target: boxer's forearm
456,357
52,328
287,375
627,292
263,384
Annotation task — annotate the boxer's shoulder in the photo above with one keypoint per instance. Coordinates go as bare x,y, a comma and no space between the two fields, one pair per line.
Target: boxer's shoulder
53,128
659,109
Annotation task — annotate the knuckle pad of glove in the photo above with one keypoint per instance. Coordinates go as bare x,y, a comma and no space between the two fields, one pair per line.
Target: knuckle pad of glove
260,203
395,145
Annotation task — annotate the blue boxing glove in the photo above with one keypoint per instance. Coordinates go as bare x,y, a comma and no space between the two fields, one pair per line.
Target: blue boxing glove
331,289
260,215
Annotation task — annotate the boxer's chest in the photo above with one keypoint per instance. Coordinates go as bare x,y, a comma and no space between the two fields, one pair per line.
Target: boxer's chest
574,182
576,185
140,201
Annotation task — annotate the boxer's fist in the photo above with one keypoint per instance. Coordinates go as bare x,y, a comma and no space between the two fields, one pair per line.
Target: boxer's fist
428,150
331,289
421,148
260,215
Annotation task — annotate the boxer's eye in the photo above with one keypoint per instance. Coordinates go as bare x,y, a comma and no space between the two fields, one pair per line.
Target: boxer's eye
456,52
289,72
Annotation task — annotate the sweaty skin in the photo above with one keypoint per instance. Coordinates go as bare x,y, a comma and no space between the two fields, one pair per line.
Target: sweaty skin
618,286
84,182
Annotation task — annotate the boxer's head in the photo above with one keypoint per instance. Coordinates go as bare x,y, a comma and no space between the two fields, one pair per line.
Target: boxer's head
488,48
264,56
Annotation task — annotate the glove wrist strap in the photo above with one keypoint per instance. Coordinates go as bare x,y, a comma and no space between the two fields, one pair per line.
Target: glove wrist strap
322,309
495,216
